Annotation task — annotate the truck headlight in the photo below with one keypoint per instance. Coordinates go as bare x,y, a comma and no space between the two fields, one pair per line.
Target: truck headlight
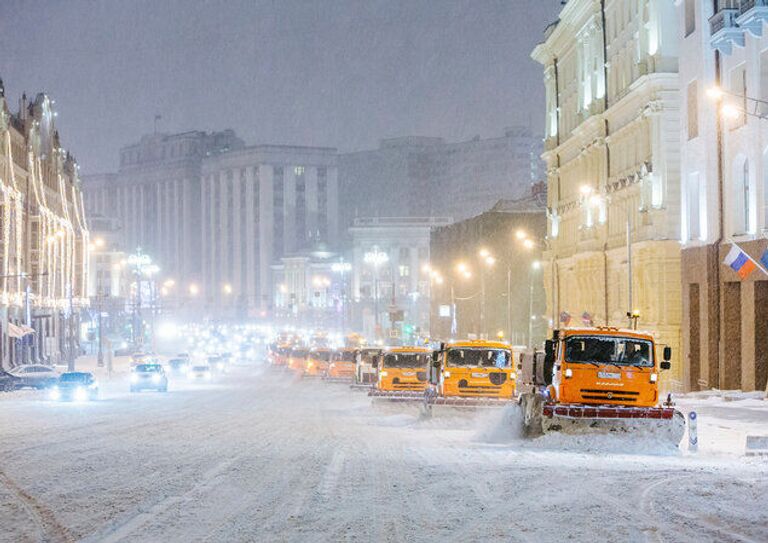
654,377
156,379
512,376
568,373
383,373
446,374
134,378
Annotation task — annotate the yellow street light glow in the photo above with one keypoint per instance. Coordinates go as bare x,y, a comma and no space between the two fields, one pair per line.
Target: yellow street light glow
439,280
461,267
426,268
528,243
484,253
715,93
536,265
169,283
283,288
521,235
490,261
194,290
99,242
585,190
467,274
731,112
227,288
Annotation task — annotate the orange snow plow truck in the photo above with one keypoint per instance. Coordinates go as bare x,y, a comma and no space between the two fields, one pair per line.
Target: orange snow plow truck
402,376
472,373
593,379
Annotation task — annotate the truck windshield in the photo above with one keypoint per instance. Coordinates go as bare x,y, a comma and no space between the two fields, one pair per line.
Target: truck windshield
323,356
346,356
618,351
481,358
406,360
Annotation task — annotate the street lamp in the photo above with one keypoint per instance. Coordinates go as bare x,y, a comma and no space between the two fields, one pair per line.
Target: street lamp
376,258
535,266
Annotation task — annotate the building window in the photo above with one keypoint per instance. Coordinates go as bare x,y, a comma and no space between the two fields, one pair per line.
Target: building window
690,17
739,89
693,109
405,271
405,253
298,170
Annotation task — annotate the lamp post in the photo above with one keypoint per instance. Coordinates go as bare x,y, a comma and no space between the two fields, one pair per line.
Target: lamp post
141,264
487,261
535,266
342,268
376,258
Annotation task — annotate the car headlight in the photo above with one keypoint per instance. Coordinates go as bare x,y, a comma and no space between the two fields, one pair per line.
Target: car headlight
155,379
80,394
207,375
55,393
134,378
446,374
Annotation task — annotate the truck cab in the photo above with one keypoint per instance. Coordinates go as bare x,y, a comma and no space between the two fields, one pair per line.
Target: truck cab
342,364
474,369
604,366
297,359
404,369
366,366
318,361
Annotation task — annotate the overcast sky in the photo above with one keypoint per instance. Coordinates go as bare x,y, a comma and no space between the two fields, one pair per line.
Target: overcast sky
343,73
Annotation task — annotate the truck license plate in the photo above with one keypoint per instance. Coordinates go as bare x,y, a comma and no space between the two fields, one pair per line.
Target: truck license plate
608,375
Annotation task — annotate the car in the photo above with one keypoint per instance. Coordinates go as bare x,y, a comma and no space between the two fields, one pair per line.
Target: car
35,376
79,386
200,372
8,381
183,356
218,363
149,376
178,366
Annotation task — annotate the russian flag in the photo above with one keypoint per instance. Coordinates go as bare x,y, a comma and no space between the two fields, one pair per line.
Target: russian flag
739,262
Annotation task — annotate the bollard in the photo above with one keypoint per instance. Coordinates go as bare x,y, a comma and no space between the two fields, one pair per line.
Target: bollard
693,436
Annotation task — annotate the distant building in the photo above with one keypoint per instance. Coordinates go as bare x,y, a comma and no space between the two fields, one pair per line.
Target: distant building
419,176
260,204
156,196
390,289
482,254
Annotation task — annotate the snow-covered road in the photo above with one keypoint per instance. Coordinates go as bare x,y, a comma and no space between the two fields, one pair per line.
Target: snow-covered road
258,456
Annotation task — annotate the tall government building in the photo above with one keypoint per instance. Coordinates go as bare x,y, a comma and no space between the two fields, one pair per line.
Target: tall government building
612,155
215,214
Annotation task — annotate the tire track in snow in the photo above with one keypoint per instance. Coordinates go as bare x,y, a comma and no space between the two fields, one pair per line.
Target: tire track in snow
49,528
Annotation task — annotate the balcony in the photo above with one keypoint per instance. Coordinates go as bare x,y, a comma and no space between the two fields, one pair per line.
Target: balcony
725,31
752,15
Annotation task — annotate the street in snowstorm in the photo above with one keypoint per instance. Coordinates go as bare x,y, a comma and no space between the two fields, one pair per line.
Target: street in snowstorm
364,271
260,455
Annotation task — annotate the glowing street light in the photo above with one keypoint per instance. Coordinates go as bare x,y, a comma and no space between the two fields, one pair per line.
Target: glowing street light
715,93
194,290
730,111
227,289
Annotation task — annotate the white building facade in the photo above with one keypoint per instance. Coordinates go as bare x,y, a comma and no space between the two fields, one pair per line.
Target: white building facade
613,160
724,193
260,204
388,275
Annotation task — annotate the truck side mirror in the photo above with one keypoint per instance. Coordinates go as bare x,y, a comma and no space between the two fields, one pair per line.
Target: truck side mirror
667,353
374,361
665,365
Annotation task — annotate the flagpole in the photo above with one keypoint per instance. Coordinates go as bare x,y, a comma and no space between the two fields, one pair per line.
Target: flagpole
755,262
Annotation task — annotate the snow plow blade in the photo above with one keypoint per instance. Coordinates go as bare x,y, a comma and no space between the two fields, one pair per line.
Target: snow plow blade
345,380
396,396
361,386
455,401
665,423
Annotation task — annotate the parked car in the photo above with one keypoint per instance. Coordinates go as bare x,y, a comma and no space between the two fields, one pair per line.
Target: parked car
8,382
149,376
77,386
35,376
